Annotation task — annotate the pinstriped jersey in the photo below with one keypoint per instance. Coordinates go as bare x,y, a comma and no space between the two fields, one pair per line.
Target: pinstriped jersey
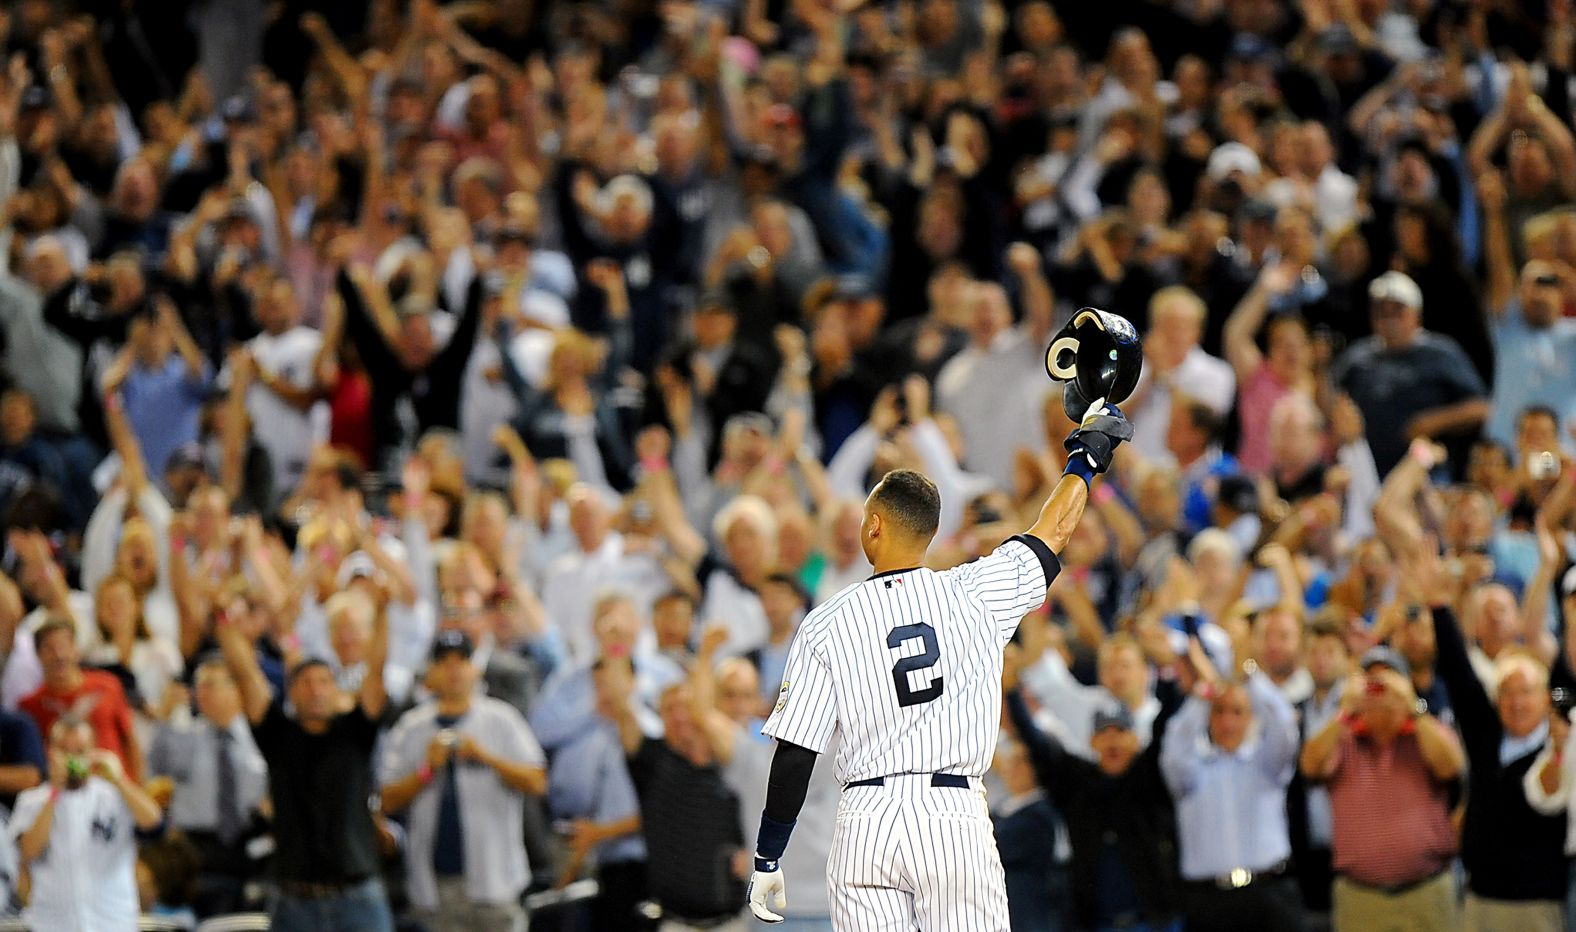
906,665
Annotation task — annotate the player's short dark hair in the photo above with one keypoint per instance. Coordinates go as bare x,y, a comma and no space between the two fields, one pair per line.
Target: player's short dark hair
911,499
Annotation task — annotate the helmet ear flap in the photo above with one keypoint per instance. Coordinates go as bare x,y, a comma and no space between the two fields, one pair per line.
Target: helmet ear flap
1061,360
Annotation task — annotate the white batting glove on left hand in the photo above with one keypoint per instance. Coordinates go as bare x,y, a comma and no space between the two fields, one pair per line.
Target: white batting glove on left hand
767,891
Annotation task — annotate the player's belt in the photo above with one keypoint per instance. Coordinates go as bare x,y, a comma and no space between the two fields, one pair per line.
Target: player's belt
956,781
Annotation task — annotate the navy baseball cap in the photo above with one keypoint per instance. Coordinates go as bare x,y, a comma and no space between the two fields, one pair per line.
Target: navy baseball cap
1113,717
451,642
1245,46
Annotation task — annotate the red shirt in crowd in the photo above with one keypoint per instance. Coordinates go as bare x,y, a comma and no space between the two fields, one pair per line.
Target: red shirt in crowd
1392,817
98,699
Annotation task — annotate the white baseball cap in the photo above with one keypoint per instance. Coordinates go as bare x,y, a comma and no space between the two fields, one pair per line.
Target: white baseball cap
1232,156
1398,287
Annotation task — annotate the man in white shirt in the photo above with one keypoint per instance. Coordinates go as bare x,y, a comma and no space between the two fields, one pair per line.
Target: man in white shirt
596,565
77,836
461,764
1000,378
1124,682
219,779
1173,359
288,417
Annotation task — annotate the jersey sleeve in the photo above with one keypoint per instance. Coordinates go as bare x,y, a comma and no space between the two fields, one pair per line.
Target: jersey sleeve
1011,580
29,803
806,711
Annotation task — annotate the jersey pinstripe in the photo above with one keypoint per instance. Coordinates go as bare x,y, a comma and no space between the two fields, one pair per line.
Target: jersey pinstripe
907,665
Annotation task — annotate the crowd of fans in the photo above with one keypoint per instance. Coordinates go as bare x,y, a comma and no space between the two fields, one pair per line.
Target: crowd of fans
424,427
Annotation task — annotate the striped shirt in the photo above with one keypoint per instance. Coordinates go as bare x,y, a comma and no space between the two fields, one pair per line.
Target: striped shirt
907,665
1392,817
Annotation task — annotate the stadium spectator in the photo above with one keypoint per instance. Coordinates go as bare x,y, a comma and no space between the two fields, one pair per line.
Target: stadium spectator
527,315
77,834
689,816
1389,769
326,866
1118,812
218,782
462,763
68,688
1222,770
1444,399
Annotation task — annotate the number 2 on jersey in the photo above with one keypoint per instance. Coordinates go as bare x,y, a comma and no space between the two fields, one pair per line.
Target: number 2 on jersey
907,695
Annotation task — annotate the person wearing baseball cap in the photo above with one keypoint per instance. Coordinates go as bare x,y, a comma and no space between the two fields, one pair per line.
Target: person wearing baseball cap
461,764
1116,807
1385,761
1445,396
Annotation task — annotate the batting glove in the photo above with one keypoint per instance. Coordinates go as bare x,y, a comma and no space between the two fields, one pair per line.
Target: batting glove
767,891
1091,446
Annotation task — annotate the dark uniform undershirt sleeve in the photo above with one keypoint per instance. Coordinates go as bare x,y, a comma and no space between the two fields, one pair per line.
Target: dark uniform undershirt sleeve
1048,561
789,781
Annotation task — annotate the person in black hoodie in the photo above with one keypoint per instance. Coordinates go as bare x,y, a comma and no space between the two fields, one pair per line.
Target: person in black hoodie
1514,857
1118,812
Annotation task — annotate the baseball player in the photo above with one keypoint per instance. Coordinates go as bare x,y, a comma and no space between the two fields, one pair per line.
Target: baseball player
906,667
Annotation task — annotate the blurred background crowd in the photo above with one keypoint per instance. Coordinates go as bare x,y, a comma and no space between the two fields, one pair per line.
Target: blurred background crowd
424,426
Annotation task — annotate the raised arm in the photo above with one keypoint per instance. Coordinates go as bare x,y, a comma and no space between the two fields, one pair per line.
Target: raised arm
1060,513
661,490
719,729
241,655
133,470
190,353
1395,513
236,428
1535,604
1090,449
1475,713
144,811
189,606
1318,759
1034,291
935,454
374,696
1179,760
1277,722
1557,139
1242,327
1278,560
1497,253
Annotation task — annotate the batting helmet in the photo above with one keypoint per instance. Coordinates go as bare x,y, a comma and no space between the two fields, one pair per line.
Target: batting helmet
1098,354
